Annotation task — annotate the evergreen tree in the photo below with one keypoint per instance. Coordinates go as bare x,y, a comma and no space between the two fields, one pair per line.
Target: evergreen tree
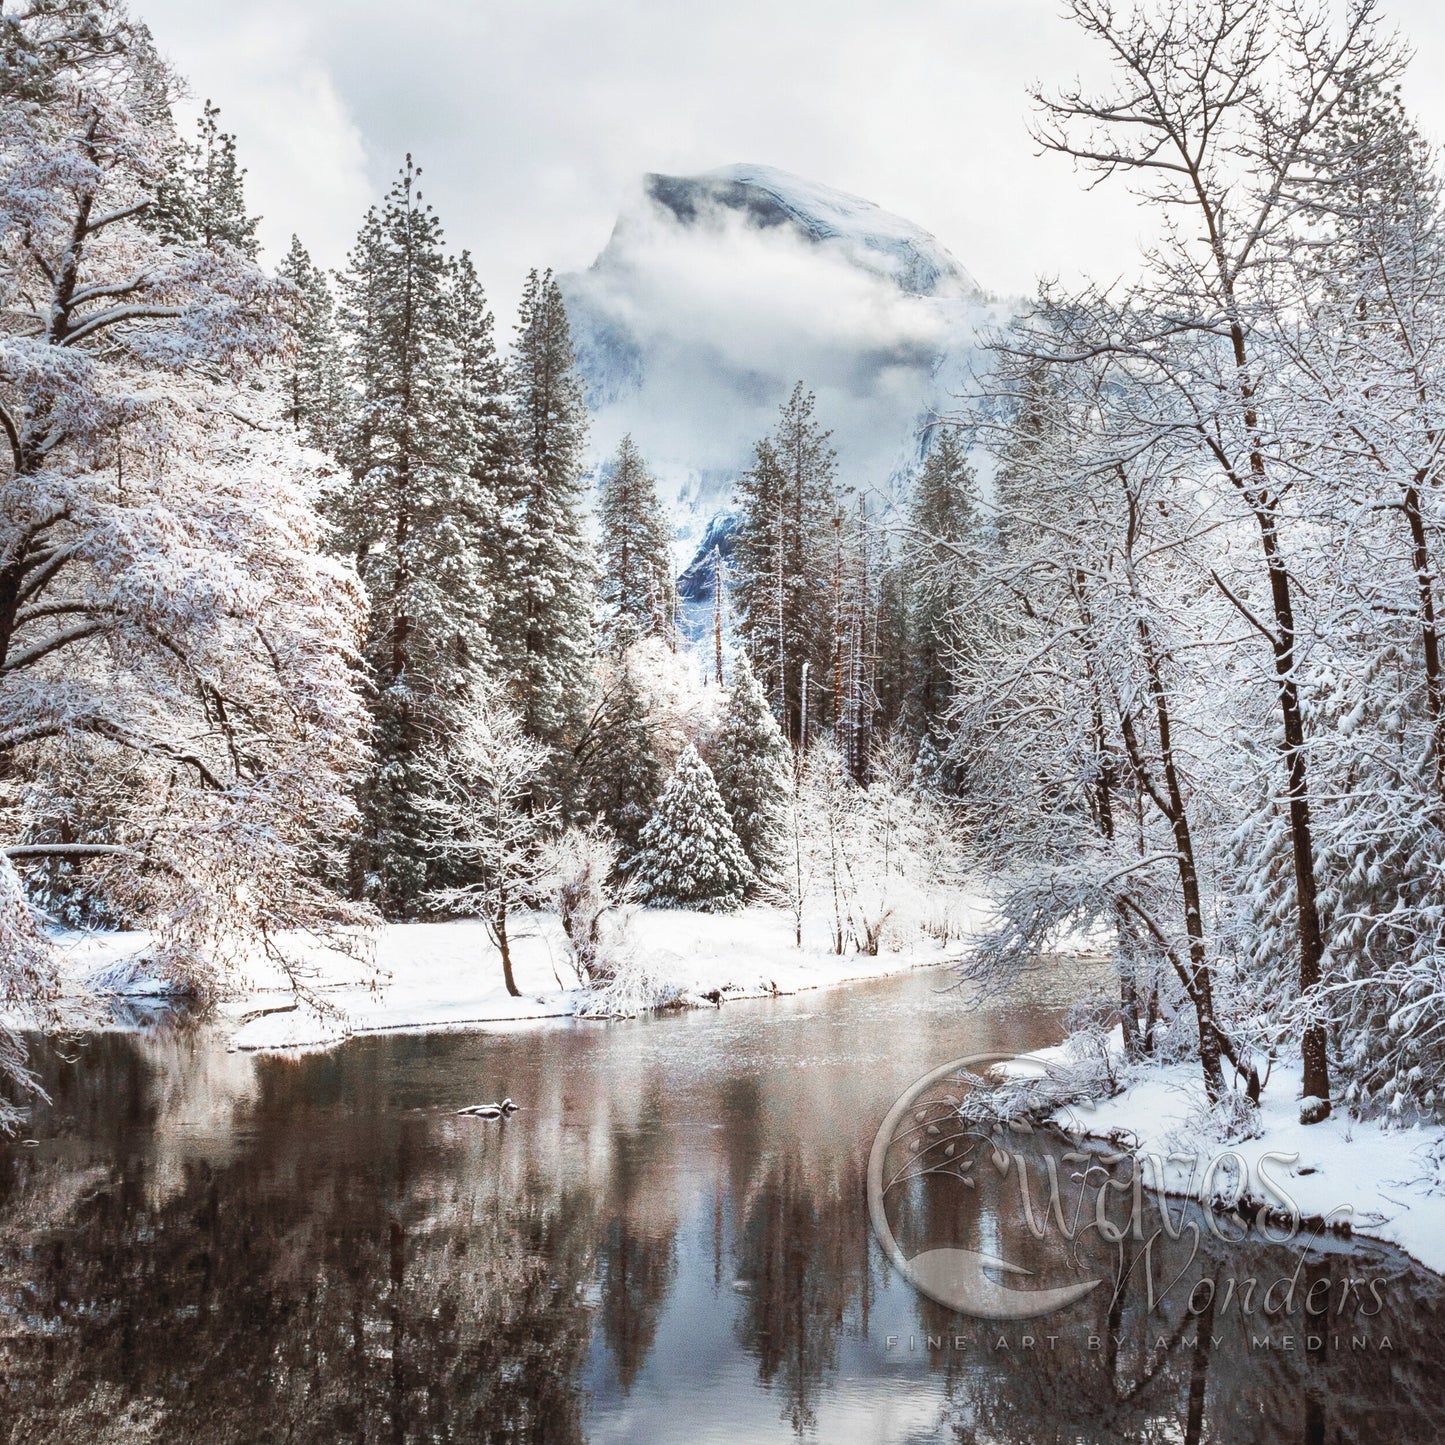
893,676
639,589
415,520
621,765
854,655
943,523
753,771
545,620
689,856
494,456
1033,427
220,205
782,559
316,391
200,197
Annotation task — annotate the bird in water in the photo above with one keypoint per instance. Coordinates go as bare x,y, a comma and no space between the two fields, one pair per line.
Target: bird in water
504,1110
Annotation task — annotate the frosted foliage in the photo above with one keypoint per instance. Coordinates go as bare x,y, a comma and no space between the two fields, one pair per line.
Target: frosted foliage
753,771
874,861
28,983
577,878
167,620
479,794
689,855
1198,701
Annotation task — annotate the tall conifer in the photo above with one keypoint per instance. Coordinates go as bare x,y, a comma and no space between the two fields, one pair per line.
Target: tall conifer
639,588
415,519
316,393
943,527
782,559
545,623
753,770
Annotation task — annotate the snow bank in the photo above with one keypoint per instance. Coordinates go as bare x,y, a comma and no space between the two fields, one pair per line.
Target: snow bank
419,976
424,976
1384,1183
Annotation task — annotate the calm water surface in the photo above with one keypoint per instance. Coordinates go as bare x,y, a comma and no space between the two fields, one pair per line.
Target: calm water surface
670,1242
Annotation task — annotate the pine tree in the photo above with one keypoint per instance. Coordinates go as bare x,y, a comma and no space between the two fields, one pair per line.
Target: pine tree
220,203
689,855
893,675
545,620
494,457
200,197
415,520
316,390
1032,428
622,768
753,771
943,523
782,559
855,639
638,588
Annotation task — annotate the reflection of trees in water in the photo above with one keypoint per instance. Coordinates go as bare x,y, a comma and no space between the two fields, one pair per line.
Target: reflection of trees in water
224,1249
637,1274
1161,1373
347,1283
802,1256
637,1253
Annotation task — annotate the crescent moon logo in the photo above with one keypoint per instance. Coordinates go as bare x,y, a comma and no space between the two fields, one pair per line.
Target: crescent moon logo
956,1278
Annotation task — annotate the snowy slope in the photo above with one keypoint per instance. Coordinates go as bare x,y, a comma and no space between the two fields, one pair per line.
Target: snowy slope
716,292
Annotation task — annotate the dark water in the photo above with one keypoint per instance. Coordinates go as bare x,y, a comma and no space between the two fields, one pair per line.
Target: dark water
670,1242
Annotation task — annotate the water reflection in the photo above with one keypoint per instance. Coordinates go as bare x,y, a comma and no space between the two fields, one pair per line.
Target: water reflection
669,1242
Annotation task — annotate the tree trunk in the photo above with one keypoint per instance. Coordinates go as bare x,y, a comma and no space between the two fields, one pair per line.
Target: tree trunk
1197,978
499,927
1313,1045
1429,633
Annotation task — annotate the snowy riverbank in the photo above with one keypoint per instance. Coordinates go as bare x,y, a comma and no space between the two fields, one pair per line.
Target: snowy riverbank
423,976
1380,1182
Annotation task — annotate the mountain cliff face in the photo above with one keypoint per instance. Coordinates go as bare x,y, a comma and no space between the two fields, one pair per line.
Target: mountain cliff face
764,198
717,292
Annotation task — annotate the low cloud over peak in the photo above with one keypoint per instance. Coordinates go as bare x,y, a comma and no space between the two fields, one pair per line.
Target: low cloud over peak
717,292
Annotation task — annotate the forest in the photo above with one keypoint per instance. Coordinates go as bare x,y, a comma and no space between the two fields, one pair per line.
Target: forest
317,613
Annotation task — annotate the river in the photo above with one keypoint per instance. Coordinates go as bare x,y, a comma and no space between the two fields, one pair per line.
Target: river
669,1242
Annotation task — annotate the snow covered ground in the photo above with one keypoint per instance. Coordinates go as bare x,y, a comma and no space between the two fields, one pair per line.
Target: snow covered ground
422,976
1385,1183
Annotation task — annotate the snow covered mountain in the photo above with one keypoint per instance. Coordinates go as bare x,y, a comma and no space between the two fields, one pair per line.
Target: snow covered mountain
717,292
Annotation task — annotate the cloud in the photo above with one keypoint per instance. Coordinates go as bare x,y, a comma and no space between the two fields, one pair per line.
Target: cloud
535,120
722,317
303,149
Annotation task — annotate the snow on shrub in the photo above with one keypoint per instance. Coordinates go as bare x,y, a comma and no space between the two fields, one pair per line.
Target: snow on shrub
578,879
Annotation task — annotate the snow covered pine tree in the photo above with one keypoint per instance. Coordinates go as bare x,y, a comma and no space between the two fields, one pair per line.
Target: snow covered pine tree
690,857
416,517
754,771
782,556
317,399
638,589
545,620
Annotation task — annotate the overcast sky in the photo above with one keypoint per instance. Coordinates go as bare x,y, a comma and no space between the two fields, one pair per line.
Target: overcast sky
532,119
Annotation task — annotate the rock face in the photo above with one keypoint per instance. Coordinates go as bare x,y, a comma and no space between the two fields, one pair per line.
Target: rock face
764,198
717,292
697,581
